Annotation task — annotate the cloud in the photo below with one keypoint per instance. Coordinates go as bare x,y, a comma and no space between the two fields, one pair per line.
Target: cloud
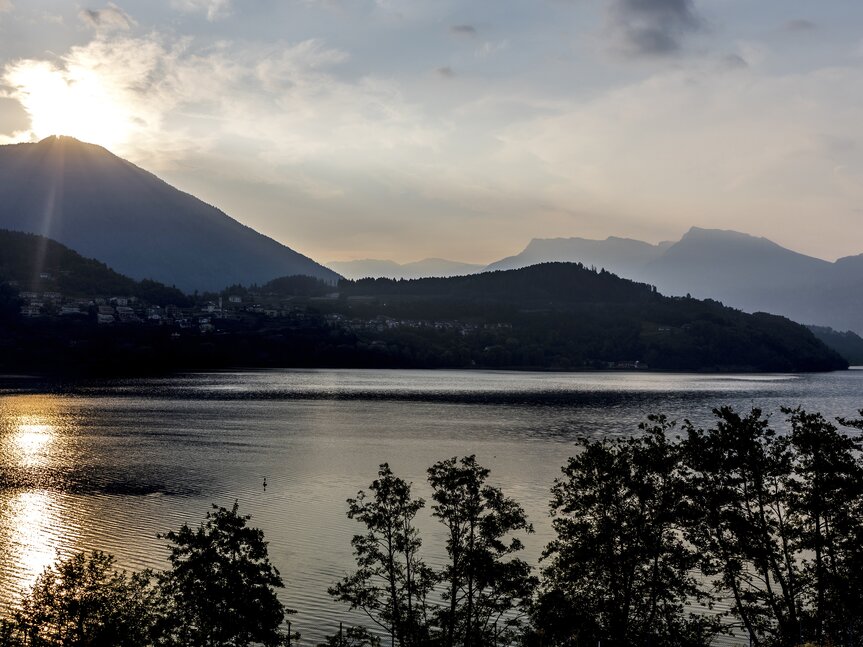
463,30
175,98
445,72
734,62
645,28
6,6
690,147
108,19
800,24
215,9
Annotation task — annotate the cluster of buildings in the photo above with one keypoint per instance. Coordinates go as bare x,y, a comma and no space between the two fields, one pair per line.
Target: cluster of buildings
383,323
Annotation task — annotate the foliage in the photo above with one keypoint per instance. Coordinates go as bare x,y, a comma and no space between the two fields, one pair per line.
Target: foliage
778,524
619,570
848,344
10,302
83,601
26,257
392,583
486,588
221,586
564,315
352,637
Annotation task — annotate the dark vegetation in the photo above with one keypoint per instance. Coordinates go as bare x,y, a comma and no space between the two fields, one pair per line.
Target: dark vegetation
848,344
39,264
564,315
651,531
556,316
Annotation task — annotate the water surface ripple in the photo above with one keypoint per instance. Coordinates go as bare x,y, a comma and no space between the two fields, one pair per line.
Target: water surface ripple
108,465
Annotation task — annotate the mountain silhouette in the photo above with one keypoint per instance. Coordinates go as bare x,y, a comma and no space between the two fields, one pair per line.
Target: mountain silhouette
742,271
109,209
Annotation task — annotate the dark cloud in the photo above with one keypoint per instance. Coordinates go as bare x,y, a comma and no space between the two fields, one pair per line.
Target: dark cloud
445,72
463,30
800,24
650,27
734,62
107,19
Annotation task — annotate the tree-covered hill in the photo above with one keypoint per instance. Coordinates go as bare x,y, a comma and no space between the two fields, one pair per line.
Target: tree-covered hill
848,344
567,316
38,264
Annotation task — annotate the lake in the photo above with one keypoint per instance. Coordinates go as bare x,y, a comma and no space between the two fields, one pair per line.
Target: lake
108,465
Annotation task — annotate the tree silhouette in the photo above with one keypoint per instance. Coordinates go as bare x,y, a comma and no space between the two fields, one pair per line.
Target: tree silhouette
83,601
391,583
221,586
619,571
487,589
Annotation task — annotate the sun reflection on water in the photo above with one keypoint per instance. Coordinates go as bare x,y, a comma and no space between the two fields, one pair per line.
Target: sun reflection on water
36,535
35,523
33,441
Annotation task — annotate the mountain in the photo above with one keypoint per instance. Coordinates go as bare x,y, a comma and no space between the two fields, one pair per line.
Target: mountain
33,263
563,315
847,344
429,267
742,271
107,208
622,256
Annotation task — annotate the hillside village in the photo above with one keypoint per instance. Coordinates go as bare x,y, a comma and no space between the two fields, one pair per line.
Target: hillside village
211,311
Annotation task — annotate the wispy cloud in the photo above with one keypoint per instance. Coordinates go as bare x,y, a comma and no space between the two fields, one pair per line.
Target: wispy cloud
639,28
445,72
108,19
214,9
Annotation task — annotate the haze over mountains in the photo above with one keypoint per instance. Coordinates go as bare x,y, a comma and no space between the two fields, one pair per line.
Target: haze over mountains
743,271
426,268
107,208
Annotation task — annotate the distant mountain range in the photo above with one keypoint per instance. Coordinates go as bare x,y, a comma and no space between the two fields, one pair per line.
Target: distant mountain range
742,271
426,268
107,208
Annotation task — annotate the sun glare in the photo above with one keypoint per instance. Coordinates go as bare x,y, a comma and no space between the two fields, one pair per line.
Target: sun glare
76,103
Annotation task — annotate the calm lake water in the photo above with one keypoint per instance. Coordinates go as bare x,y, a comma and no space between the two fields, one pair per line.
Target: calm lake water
109,465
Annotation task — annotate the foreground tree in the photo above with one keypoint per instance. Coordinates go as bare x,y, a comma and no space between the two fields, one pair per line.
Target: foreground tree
391,583
742,527
84,601
619,571
352,637
221,589
825,492
779,526
486,588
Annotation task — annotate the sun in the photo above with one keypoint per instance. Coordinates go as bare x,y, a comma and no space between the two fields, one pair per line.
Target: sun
75,102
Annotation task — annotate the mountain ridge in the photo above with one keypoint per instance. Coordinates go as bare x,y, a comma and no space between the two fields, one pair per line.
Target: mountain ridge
107,208
747,272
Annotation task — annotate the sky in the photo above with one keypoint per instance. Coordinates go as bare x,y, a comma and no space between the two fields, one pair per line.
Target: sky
406,129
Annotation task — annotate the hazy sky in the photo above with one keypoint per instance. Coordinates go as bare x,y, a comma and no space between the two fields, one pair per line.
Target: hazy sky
411,128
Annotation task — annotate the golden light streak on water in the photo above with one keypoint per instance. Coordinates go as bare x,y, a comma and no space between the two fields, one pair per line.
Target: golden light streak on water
35,526
29,432
35,539
33,441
